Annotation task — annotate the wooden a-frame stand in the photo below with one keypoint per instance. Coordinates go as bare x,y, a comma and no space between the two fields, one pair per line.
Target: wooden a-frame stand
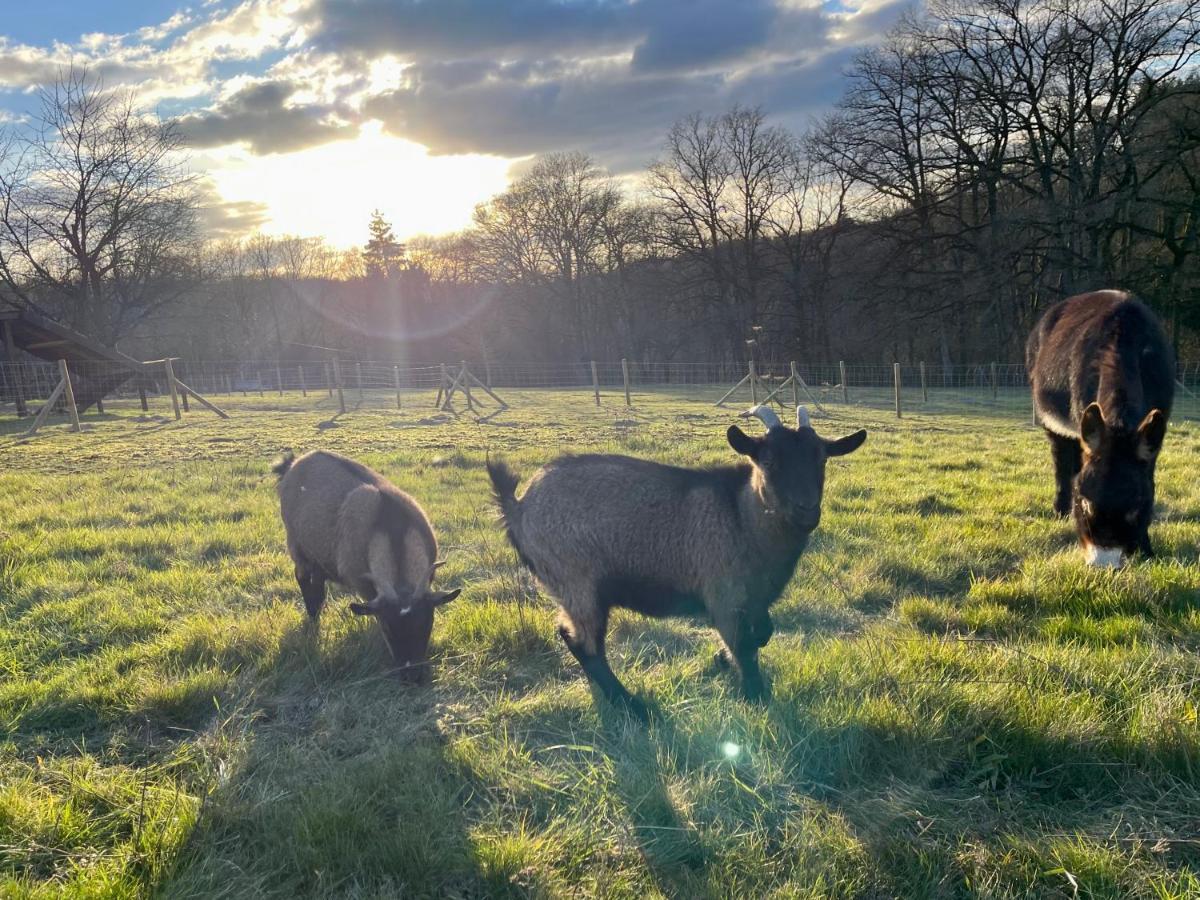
462,381
63,387
178,389
756,383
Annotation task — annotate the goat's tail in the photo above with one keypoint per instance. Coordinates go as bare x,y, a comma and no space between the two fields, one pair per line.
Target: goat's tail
504,489
284,463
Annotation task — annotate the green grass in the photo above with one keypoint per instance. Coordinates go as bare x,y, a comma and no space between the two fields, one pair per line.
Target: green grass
961,708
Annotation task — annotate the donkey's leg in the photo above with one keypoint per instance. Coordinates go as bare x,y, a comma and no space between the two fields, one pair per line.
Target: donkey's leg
1068,459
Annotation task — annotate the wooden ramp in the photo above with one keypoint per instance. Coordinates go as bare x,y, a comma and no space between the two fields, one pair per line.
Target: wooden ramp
95,369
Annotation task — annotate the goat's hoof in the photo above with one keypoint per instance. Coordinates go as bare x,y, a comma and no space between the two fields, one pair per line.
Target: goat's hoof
722,660
633,706
755,693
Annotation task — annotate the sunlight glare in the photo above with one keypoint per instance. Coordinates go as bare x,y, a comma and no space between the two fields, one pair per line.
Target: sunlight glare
330,190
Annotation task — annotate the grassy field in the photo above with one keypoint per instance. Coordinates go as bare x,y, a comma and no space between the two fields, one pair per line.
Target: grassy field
961,708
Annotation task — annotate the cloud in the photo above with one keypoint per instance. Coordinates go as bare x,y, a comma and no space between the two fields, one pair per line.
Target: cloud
423,30
260,116
598,107
605,76
705,34
222,218
506,78
22,65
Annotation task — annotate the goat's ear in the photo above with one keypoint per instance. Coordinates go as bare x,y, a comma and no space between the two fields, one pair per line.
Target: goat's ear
362,609
440,598
742,442
1150,435
847,444
1092,428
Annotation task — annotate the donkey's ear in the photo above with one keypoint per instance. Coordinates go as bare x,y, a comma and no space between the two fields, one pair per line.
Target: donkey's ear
1150,435
1092,429
742,442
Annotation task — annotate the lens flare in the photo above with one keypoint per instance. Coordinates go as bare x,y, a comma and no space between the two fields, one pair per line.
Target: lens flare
730,749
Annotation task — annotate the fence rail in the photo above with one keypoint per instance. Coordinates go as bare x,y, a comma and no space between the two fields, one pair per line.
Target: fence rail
946,387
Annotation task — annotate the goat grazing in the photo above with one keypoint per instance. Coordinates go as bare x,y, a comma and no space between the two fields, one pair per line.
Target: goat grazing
1103,379
600,531
348,524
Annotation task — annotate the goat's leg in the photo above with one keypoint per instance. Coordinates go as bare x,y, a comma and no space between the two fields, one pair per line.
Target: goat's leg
582,627
312,588
741,637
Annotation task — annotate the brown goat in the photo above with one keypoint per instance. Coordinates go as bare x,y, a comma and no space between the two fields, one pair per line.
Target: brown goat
601,531
348,524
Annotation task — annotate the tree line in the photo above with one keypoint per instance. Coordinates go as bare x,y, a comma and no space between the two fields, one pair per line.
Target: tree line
986,159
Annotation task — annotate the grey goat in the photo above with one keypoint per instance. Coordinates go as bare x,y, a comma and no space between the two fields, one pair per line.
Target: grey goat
600,531
348,524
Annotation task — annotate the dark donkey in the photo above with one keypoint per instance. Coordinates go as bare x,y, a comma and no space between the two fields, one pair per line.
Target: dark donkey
1103,379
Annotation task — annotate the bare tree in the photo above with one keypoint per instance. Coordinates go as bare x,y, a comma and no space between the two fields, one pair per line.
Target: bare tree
552,231
98,215
716,185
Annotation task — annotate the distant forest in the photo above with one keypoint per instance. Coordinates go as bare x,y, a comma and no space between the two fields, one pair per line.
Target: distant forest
988,159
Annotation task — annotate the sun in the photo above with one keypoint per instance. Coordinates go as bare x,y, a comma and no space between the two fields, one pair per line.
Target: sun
330,191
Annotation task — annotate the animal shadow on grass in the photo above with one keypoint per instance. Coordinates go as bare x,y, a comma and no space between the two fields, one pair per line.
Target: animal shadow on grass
344,788
922,789
671,848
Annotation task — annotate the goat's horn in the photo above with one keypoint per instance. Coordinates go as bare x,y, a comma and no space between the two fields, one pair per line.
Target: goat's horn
802,420
765,413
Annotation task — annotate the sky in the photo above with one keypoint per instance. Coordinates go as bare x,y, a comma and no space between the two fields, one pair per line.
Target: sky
302,116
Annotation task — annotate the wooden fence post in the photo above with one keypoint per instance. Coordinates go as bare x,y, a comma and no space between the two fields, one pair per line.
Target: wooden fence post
753,385
18,378
142,397
396,378
795,385
845,387
358,376
337,378
924,385
437,403
465,374
71,408
595,383
487,371
100,405
171,387
896,377
995,383
183,395
328,380
625,377
303,386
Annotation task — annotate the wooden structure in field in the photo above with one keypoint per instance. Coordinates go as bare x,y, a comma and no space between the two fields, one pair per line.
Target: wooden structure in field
96,370
757,384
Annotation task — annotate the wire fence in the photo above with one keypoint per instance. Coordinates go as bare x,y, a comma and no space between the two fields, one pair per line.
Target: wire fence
998,387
